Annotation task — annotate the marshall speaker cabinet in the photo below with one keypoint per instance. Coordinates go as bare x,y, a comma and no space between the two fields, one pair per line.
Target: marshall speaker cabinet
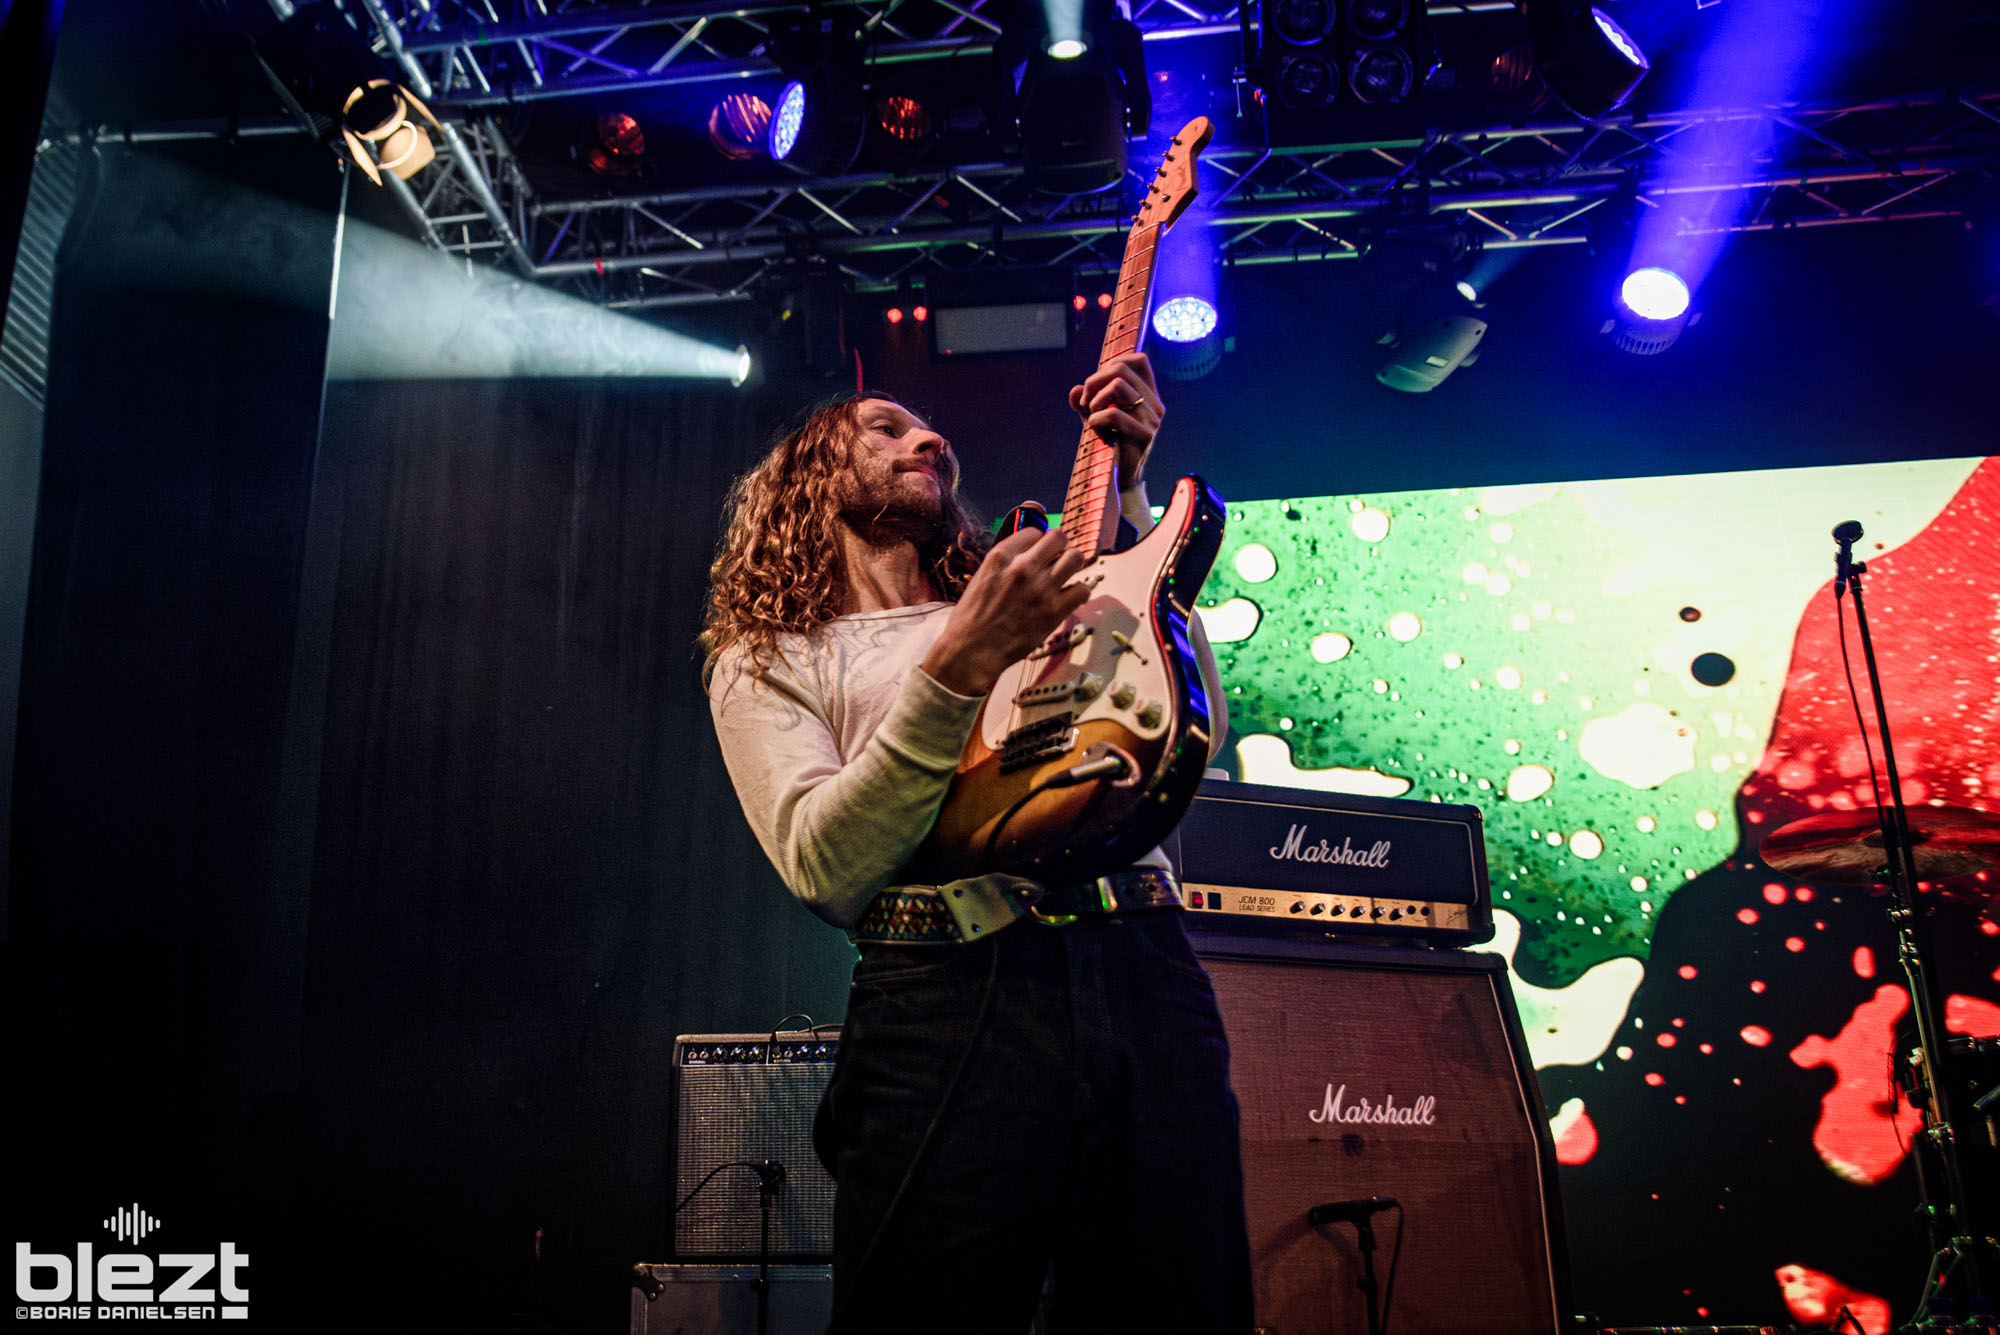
1386,1072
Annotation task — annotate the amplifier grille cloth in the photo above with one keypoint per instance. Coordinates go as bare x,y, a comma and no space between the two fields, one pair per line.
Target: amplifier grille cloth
750,1111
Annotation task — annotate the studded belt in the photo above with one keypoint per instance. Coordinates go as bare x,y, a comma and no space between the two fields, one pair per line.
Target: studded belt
970,910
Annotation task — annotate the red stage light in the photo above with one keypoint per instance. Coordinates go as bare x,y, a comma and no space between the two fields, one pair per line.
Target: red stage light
922,313
903,117
894,314
1104,301
620,144
1077,301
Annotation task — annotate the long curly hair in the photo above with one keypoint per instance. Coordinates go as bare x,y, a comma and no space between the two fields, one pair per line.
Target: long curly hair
778,568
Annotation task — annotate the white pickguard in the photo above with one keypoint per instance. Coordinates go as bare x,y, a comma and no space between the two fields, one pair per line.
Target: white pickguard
1084,670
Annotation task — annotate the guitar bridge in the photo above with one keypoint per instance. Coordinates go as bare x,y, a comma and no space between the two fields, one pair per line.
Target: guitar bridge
1032,743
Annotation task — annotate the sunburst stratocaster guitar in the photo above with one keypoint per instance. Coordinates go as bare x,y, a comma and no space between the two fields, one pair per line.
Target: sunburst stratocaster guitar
1088,751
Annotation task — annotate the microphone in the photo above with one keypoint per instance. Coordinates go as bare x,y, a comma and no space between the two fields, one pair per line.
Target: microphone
1846,535
1350,1212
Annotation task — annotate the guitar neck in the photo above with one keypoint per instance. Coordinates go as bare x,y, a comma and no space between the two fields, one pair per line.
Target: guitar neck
1090,512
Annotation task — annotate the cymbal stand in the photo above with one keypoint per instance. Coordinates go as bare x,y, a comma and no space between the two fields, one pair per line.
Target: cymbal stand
1952,1243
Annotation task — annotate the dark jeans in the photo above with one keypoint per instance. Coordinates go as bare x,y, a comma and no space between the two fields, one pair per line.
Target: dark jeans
1048,1094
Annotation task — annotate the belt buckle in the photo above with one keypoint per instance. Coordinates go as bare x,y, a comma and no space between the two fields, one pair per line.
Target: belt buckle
1106,897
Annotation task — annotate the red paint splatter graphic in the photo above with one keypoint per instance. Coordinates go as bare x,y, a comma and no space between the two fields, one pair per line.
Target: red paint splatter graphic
1757,985
1665,1040
1795,944
1746,916
1655,1079
1971,1016
1864,962
1756,1035
1940,717
1815,1298
1575,1134
1774,893
1860,1134
1687,971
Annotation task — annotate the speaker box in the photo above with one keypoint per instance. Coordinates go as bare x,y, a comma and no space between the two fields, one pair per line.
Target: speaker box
722,1300
1372,1071
749,1098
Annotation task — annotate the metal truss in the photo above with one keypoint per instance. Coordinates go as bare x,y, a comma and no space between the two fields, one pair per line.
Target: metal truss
1547,183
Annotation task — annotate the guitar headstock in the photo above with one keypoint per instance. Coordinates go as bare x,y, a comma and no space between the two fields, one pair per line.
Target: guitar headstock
1173,187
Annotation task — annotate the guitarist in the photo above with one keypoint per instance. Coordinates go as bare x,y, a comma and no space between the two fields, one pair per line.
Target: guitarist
1011,1102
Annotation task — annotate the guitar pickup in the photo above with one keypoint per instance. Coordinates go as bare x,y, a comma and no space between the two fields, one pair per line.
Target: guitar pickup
1050,692
1061,642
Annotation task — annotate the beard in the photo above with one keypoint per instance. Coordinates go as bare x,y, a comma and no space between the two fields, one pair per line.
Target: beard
884,506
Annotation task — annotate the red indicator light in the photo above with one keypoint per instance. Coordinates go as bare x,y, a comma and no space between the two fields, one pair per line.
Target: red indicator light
921,314
1077,301
894,314
1104,301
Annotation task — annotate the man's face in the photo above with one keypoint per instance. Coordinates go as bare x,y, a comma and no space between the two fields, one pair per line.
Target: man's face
898,471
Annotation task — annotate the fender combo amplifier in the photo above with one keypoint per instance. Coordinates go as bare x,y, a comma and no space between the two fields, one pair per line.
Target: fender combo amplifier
749,1099
1380,1072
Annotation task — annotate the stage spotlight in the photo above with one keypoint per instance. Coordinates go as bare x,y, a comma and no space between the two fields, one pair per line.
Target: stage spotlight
1184,319
1430,328
739,126
1654,293
1424,356
819,118
787,121
1076,114
331,81
1587,60
616,144
903,118
1653,306
1190,342
1067,48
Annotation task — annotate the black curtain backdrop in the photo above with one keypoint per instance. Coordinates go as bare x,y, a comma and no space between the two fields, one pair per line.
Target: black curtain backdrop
531,871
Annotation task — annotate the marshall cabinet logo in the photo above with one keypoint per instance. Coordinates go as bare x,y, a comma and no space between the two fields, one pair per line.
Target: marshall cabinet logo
1345,854
1337,1110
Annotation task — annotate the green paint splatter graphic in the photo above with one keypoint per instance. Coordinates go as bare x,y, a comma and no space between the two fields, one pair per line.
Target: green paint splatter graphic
1478,647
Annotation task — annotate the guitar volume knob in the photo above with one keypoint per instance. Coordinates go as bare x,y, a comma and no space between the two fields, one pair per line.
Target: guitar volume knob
1089,686
1123,694
1150,713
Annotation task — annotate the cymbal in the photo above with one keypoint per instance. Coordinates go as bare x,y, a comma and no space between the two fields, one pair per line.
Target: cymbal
1846,846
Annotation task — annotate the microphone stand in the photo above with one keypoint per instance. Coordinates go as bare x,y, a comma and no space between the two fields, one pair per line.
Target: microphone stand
770,1176
1367,1281
1949,1227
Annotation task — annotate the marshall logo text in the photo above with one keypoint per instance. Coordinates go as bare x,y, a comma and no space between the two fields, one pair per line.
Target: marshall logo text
1346,854
1336,1109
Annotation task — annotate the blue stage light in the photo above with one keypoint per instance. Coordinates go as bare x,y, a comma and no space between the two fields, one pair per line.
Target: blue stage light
788,120
1184,320
1656,294
1067,48
1621,39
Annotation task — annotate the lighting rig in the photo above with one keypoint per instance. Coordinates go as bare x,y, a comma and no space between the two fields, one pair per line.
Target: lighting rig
704,213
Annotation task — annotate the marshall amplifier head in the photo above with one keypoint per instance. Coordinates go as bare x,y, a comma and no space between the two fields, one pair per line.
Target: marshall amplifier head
1285,861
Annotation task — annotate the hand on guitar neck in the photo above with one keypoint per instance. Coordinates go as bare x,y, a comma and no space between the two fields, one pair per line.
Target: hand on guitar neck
1121,403
1022,593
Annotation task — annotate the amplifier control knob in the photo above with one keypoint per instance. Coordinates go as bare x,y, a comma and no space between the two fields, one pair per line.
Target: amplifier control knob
1123,693
1318,909
1356,911
1298,907
1394,914
1378,911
